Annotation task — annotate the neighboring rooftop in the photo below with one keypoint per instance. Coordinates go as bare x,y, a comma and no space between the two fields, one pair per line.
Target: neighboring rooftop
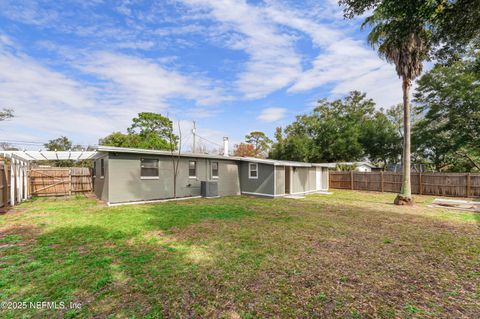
334,165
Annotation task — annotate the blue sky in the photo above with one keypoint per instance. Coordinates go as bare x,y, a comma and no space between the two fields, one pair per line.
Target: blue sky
84,68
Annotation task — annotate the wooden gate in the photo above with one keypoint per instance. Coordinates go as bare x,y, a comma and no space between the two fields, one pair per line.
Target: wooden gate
60,181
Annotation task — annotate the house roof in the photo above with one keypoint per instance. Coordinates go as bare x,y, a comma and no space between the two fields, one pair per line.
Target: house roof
112,149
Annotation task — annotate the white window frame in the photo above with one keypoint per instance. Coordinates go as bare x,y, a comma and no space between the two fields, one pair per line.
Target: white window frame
190,176
150,177
218,170
250,170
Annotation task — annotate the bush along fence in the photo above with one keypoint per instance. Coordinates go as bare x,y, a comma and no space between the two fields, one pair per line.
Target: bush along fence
442,184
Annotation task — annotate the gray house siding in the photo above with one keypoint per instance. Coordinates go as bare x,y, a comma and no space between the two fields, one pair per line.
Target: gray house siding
228,179
126,184
263,185
312,179
303,180
324,177
100,185
279,180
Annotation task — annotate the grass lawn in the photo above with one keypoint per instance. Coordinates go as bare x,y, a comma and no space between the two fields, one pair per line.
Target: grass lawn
347,255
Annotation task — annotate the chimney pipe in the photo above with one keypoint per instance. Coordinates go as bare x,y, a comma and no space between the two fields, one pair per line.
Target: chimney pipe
225,146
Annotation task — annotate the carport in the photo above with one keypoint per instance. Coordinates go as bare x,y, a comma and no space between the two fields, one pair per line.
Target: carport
15,176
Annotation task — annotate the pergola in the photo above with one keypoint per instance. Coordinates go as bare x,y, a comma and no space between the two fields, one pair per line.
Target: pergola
20,163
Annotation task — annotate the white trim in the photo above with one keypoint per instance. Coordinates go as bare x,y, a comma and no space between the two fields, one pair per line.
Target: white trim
309,192
258,194
149,177
250,171
192,176
153,201
211,170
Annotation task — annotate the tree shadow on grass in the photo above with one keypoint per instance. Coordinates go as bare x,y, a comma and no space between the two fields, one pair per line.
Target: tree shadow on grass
127,271
96,267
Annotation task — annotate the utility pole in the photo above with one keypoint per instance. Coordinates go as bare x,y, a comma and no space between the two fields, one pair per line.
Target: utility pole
194,130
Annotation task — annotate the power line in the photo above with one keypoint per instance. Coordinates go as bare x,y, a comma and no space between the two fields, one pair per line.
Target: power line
203,138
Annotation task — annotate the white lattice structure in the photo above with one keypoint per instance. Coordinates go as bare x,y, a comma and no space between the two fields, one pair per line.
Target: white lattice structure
20,163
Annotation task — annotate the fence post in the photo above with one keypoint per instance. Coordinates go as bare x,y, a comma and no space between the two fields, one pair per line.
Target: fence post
69,182
381,181
420,183
469,186
351,180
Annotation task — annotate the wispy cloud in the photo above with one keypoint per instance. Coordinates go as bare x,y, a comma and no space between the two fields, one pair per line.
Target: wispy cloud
268,33
52,103
273,62
272,114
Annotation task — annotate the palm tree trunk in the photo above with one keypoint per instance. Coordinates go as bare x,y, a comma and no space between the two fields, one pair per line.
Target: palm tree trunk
405,196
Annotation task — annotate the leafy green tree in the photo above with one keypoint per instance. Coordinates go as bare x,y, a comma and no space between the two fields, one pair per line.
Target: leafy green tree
381,140
448,97
261,143
119,139
62,143
278,147
153,126
346,129
148,131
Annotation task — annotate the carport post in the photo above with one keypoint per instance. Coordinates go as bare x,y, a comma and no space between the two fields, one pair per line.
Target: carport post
25,195
18,179
25,181
20,176
12,181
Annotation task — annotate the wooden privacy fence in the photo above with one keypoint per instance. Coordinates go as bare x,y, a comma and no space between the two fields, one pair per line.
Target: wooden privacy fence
443,184
60,181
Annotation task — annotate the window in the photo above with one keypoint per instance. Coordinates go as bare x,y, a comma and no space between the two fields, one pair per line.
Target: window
214,169
94,171
192,169
253,170
148,168
102,168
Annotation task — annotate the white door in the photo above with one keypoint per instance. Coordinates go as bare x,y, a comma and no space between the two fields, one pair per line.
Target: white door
319,178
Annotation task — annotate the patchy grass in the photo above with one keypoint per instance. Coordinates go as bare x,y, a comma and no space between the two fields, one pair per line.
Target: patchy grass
347,255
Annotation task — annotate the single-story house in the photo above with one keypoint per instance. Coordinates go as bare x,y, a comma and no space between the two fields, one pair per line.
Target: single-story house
128,175
359,166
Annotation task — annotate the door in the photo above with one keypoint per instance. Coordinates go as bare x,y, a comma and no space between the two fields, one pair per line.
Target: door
319,178
287,180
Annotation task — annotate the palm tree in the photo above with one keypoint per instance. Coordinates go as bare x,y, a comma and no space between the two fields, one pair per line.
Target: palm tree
406,46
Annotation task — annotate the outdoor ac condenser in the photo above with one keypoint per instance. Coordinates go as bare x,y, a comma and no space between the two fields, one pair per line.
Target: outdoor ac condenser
209,188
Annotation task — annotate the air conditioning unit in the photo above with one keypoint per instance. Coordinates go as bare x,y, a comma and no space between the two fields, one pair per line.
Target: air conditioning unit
209,188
